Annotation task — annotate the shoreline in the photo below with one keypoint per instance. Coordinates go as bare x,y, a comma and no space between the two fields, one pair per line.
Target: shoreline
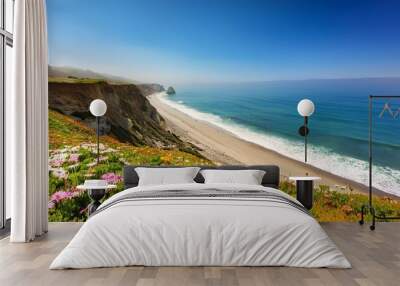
223,147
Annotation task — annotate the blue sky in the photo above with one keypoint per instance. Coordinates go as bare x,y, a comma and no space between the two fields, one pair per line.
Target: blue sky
195,41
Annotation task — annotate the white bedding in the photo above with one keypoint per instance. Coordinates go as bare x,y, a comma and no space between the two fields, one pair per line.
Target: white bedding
200,231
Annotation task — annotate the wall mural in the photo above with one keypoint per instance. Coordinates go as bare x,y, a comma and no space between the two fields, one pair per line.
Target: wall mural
216,82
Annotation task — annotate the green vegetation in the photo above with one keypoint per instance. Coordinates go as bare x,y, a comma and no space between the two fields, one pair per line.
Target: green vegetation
330,205
72,160
72,79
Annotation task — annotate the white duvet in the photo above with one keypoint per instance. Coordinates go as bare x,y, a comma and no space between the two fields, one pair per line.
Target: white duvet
200,231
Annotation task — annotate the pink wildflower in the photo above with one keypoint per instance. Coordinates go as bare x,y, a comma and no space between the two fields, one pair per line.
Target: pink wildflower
51,205
111,178
60,173
103,158
56,162
74,158
62,195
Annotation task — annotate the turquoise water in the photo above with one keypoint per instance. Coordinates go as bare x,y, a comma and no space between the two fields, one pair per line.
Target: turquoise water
266,113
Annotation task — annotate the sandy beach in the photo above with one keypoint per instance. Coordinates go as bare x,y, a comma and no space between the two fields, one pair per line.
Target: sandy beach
223,147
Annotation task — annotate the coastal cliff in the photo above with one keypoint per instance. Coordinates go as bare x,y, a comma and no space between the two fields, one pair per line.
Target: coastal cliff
150,88
130,117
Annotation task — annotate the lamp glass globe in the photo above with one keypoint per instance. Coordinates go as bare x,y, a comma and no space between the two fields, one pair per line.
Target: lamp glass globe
98,107
305,107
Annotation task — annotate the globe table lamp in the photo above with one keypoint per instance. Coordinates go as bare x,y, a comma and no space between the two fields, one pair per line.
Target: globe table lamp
305,108
98,108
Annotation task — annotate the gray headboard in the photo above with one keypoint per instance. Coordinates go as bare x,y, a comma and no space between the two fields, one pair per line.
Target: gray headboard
271,177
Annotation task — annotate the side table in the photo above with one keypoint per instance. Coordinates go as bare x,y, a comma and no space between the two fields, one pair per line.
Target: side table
304,190
96,193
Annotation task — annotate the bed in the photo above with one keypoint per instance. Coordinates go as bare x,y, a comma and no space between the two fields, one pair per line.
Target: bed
201,224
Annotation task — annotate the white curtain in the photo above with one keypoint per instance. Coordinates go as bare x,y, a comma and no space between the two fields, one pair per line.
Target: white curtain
27,123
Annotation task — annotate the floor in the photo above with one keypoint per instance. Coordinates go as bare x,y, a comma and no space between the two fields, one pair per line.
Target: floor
375,257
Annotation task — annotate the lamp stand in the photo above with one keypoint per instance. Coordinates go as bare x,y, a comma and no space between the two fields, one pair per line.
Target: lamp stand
305,108
305,137
97,135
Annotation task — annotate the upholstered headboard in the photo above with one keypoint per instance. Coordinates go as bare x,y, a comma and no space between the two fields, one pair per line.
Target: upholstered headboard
271,177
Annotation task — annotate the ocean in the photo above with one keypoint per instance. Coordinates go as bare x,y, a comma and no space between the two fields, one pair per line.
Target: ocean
265,113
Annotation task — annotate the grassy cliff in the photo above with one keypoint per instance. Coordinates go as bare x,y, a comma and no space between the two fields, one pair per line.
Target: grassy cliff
130,117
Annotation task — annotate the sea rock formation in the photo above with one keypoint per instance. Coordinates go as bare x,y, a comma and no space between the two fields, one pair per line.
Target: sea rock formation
170,90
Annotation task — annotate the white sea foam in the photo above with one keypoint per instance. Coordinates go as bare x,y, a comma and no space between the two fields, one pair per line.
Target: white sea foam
385,178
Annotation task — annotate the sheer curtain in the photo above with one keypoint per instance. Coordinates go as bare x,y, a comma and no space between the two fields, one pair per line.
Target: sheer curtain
27,124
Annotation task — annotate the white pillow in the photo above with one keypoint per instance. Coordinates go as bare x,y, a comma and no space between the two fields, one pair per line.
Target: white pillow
248,177
166,176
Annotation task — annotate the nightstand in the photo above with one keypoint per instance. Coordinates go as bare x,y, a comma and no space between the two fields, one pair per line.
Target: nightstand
304,189
96,193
